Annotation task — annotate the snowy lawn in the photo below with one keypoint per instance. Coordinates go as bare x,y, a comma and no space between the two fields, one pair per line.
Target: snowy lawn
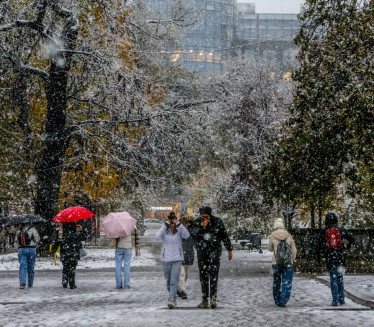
245,255
95,259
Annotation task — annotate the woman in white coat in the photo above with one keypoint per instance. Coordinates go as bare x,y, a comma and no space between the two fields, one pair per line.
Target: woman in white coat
171,234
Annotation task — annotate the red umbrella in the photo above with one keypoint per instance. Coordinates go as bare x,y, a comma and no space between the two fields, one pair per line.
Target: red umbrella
73,214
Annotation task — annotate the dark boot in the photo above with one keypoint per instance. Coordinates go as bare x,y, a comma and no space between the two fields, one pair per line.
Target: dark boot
213,303
183,295
204,304
72,283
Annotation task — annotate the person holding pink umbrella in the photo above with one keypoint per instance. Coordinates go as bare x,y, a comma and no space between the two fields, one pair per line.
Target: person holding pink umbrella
119,226
123,254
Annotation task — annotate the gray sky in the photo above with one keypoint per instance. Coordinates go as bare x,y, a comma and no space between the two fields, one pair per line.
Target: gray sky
276,6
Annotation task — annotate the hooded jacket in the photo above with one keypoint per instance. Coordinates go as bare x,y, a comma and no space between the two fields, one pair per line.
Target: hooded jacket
172,243
208,239
337,257
275,238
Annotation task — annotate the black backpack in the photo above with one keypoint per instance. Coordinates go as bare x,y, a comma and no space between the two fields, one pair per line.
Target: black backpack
24,238
283,255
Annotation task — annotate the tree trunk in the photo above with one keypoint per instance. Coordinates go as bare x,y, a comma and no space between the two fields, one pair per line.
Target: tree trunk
312,217
319,215
57,136
54,147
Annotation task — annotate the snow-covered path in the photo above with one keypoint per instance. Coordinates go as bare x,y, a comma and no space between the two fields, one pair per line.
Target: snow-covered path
244,300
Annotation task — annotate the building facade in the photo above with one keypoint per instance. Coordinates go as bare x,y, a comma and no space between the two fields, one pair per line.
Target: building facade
268,36
202,46
225,28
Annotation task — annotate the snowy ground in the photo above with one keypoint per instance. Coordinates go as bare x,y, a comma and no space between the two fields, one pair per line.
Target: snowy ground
361,286
95,259
244,299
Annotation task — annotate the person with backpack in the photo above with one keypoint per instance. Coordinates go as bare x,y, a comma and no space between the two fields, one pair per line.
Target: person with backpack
27,238
330,242
283,245
69,240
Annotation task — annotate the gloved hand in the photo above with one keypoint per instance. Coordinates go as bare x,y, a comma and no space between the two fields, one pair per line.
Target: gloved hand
177,224
230,255
167,223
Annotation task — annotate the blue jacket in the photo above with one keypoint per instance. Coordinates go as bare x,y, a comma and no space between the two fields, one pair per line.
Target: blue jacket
172,243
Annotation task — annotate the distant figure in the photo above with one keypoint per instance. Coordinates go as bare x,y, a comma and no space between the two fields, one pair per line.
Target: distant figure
123,254
171,234
283,245
28,238
3,237
331,244
69,240
208,232
189,256
12,235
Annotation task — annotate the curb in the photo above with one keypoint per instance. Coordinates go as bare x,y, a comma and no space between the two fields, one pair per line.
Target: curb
354,298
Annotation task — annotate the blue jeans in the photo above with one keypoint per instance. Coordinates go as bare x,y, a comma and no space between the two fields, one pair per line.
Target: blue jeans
123,255
282,284
337,285
26,258
172,270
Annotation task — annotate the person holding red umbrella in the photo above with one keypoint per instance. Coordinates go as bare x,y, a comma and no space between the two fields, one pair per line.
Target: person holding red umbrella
70,243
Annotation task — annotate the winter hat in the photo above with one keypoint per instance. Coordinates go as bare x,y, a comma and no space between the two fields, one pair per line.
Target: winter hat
331,219
206,210
278,223
172,216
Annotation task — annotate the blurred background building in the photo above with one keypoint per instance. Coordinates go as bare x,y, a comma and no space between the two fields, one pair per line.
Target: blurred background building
203,44
264,35
225,28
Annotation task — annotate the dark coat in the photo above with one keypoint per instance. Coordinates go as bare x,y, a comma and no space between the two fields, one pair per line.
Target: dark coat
188,252
337,257
70,244
207,240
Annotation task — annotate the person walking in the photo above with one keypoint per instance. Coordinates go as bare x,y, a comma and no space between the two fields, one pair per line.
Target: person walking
12,235
330,243
28,238
171,234
69,240
283,246
3,237
208,232
189,256
123,254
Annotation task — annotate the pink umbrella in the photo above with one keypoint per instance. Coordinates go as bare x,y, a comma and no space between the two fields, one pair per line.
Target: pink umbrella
118,224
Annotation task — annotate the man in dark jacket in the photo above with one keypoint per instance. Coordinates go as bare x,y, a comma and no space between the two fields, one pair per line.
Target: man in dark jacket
208,232
70,244
330,242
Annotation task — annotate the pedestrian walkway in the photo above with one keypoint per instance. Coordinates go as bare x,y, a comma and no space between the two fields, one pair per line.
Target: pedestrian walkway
359,288
244,299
